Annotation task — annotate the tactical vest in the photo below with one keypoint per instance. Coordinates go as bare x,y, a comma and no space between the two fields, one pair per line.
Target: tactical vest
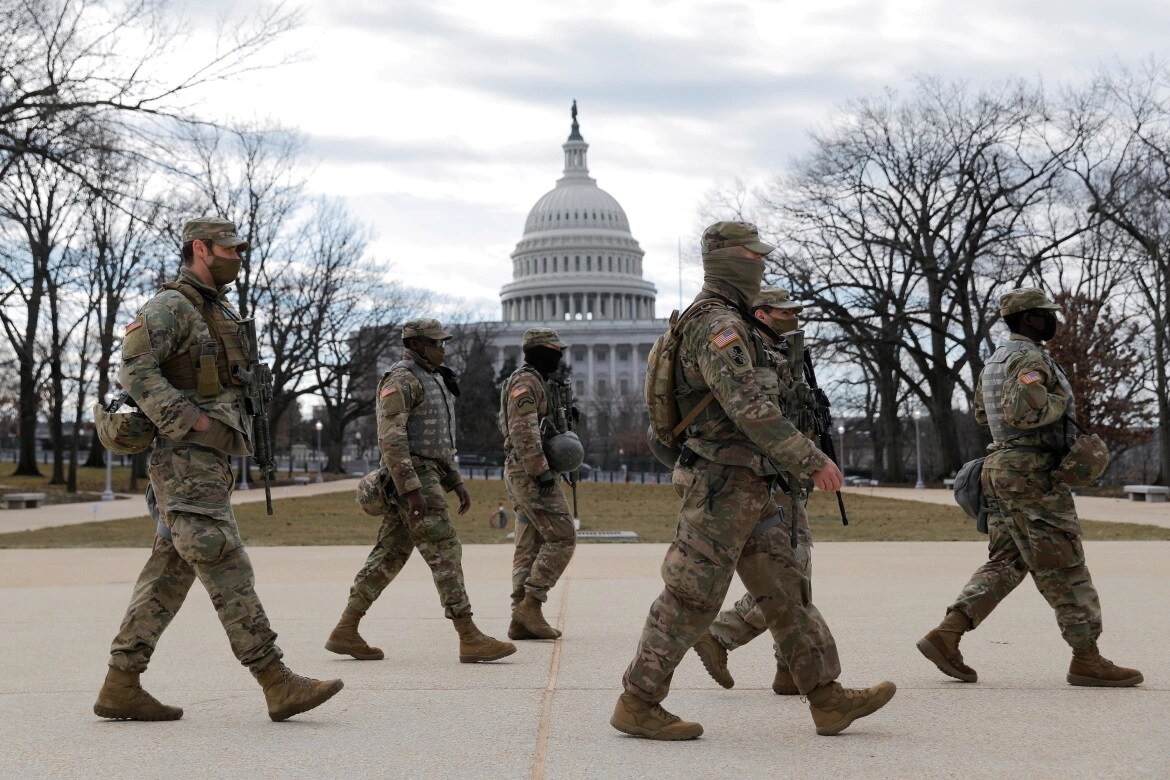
540,402
210,365
431,425
1054,436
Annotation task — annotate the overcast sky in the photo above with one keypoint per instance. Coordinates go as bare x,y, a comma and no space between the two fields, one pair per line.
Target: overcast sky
441,122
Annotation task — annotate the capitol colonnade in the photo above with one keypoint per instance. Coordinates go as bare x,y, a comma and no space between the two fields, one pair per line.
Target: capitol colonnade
578,268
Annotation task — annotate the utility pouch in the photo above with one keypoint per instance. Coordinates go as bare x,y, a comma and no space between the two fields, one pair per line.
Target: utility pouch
206,372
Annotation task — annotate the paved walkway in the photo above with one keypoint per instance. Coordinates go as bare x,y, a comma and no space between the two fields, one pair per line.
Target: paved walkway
135,506
1108,510
544,711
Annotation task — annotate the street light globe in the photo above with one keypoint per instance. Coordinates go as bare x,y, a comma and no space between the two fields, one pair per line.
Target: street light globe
917,414
840,429
319,426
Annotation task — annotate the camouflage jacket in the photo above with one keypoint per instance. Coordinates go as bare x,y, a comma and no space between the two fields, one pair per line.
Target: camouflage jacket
776,356
401,394
1029,396
169,325
745,426
523,404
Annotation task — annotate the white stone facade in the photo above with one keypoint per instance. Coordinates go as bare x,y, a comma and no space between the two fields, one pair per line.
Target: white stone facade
578,269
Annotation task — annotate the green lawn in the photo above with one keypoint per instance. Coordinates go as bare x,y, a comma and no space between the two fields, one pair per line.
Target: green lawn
647,509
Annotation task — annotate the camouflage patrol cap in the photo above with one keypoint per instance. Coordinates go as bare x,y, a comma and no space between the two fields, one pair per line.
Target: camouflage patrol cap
1023,299
542,337
722,235
213,229
424,328
126,433
777,298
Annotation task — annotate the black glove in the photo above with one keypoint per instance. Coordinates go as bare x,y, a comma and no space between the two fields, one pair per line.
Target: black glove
547,483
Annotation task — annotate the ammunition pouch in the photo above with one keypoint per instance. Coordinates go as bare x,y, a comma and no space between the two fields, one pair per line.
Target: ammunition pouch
212,364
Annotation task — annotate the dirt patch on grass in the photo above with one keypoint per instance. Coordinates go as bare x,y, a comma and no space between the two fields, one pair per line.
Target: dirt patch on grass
648,510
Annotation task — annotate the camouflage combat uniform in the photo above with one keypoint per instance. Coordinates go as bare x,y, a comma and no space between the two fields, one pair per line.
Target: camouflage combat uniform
1023,397
175,368
416,433
745,621
728,521
545,537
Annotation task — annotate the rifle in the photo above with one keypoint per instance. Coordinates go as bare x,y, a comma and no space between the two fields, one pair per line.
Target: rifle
821,417
257,378
561,401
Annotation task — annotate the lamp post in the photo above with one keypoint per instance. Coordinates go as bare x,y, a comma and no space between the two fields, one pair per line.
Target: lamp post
244,473
841,433
108,493
918,450
361,453
319,426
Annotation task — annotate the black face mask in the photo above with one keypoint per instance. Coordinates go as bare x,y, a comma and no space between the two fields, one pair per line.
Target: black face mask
544,359
1050,325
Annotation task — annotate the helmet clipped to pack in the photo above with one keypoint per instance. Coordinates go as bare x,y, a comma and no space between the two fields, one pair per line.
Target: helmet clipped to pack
126,433
564,452
1085,462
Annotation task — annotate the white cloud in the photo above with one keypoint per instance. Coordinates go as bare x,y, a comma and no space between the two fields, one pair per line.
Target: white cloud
441,122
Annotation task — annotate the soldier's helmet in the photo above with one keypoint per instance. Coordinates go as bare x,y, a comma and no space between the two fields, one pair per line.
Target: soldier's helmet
425,328
542,337
564,452
1023,299
777,298
1085,462
722,235
126,433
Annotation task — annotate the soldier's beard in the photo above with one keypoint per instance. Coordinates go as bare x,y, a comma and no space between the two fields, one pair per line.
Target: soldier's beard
728,267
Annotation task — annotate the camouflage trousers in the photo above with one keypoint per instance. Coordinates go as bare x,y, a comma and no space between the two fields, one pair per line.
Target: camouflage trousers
745,621
716,537
192,488
545,537
433,536
1033,529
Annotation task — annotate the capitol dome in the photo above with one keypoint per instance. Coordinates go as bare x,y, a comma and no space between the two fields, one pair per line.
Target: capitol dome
577,259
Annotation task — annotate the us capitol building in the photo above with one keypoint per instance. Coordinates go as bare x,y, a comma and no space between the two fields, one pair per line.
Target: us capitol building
578,269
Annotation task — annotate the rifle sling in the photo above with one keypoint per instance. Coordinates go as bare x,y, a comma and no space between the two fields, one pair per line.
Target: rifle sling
703,403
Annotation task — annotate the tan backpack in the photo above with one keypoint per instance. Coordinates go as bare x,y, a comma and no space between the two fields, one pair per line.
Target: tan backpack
661,390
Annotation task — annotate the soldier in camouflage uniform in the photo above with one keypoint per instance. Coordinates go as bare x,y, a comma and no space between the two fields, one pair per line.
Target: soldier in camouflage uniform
733,451
181,357
1025,398
416,433
737,626
545,537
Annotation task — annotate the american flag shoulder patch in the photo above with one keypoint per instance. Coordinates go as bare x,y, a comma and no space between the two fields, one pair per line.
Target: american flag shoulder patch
519,391
388,390
137,323
723,339
1030,377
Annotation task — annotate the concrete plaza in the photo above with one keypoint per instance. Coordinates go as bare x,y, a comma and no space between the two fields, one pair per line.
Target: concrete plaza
544,711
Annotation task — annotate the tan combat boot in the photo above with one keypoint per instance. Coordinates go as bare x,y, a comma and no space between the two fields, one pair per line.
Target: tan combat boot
345,639
289,694
783,684
643,719
941,646
714,657
1088,667
528,615
476,646
516,630
834,708
123,698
